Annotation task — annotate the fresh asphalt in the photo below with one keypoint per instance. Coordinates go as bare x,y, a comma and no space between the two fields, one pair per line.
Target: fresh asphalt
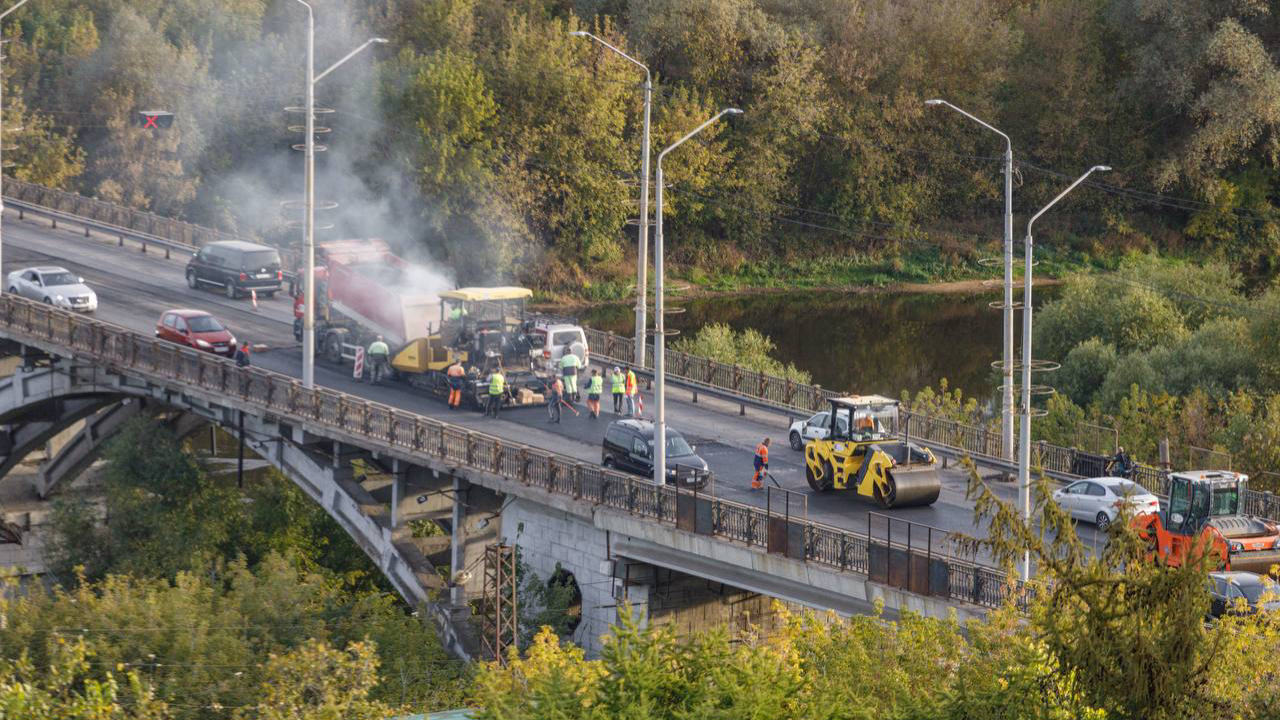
134,288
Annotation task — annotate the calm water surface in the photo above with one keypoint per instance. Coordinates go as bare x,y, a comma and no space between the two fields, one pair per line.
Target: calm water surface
865,343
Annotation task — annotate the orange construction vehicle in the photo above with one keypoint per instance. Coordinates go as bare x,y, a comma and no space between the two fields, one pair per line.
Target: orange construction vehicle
1203,515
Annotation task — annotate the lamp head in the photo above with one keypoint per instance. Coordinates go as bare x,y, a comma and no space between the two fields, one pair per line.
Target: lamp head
578,33
1102,168
732,111
380,41
934,101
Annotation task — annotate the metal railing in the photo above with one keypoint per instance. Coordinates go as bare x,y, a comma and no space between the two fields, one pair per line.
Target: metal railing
70,335
110,217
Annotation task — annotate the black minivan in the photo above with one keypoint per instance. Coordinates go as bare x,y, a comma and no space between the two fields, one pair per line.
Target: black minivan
628,445
237,267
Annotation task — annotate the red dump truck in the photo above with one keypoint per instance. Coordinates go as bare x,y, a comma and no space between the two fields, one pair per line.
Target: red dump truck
366,290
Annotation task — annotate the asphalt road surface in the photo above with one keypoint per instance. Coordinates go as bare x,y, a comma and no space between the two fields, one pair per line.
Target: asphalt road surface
135,288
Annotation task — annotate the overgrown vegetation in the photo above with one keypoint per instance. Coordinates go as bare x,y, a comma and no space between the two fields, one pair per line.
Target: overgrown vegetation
489,136
221,601
1159,349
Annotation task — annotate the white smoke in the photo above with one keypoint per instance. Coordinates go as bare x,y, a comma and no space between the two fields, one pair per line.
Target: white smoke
374,199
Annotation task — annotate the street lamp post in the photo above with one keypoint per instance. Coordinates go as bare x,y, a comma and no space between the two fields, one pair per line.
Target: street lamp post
642,245
309,221
1006,364
660,325
3,15
1024,439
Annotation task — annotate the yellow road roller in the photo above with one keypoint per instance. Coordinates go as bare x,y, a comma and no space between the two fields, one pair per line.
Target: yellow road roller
861,450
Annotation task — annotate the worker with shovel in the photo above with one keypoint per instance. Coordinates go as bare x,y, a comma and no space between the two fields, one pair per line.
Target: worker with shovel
555,396
762,465
555,399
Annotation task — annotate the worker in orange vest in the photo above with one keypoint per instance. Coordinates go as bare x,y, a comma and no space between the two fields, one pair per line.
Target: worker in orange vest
456,375
762,465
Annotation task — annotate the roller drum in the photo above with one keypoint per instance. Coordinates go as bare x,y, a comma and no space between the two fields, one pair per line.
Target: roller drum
911,487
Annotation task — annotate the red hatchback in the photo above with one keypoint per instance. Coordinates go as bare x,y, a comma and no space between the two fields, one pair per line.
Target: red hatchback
197,329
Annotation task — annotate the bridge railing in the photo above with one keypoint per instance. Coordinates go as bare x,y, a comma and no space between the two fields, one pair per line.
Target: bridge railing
349,416
116,216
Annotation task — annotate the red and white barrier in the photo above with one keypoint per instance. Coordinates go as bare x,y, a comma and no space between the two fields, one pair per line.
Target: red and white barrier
357,370
254,295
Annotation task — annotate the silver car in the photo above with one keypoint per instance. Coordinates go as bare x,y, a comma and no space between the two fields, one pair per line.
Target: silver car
815,428
55,286
1099,500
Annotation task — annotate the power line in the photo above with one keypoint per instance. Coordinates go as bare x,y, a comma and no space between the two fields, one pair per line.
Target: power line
1153,198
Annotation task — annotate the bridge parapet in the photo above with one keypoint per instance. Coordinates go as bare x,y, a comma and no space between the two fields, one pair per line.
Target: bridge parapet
376,427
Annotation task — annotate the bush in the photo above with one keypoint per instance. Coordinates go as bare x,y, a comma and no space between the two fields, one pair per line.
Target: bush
749,349
1084,370
206,639
1128,317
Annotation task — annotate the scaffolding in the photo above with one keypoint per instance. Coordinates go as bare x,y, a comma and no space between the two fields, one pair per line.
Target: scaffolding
498,611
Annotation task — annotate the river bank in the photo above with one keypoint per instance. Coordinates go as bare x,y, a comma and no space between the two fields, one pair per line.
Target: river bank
921,272
686,291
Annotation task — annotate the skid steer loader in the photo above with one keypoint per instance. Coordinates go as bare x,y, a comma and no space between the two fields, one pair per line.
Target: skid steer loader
862,451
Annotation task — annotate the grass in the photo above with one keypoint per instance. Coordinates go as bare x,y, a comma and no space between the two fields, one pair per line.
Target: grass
845,271
922,266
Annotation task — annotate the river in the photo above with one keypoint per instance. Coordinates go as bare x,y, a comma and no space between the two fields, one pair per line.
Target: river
859,342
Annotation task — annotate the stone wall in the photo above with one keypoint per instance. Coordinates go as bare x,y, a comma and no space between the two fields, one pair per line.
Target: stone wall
549,539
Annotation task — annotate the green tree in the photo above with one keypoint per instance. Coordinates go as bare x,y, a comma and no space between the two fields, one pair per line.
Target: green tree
748,349
1127,632
1127,316
206,639
1084,369
318,682
66,688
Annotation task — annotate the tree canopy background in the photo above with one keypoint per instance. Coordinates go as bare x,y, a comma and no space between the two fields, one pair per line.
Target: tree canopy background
487,139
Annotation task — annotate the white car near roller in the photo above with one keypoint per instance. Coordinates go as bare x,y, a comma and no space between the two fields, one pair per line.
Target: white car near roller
55,286
815,428
1099,500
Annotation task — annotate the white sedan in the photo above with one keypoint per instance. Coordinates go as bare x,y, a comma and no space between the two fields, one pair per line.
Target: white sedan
54,286
1099,500
815,428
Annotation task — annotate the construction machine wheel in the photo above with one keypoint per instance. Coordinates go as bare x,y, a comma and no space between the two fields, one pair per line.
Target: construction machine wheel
910,488
819,485
333,347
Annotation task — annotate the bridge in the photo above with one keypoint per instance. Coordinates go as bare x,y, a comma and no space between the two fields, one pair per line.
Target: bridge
374,457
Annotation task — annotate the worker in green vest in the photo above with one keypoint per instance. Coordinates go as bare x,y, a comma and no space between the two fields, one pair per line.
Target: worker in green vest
497,388
618,381
595,387
379,354
569,364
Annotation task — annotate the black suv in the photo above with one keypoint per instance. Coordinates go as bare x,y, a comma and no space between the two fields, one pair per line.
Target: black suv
237,267
628,445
